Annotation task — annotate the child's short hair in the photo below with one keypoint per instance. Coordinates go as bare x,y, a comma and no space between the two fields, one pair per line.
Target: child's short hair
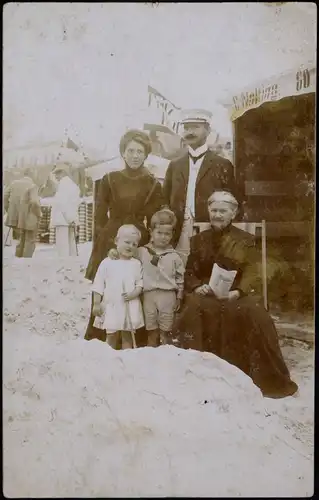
128,228
163,217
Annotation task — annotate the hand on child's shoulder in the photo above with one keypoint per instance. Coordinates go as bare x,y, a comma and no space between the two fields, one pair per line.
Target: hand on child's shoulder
113,254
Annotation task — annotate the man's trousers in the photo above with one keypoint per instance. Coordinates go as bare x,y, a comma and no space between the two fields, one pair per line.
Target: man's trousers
27,241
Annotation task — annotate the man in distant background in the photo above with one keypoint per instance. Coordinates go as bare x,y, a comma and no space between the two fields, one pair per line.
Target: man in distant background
22,204
228,153
219,149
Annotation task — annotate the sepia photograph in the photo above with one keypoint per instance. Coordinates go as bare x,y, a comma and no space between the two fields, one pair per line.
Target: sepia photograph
158,249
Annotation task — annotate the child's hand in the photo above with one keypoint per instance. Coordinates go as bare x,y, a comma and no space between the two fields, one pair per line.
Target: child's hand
178,304
97,310
113,254
130,296
204,290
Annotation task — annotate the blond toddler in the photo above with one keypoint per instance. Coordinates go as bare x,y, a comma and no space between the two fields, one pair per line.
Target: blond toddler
117,287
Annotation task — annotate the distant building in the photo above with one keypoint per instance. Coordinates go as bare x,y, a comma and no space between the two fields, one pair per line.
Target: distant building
43,157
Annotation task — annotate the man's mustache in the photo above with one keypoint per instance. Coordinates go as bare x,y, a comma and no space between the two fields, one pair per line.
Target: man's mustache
190,136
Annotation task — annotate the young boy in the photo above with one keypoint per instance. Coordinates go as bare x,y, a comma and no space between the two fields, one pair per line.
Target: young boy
163,278
116,290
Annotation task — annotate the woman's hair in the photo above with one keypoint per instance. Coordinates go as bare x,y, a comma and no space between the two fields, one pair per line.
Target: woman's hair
164,217
224,196
137,136
128,229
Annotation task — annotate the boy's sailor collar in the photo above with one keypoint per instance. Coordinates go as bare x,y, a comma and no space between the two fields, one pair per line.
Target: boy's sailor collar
169,249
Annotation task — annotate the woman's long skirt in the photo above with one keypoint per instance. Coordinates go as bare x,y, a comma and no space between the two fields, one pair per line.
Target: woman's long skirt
241,332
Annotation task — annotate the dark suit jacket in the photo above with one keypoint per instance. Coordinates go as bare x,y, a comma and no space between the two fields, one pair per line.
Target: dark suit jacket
215,173
233,249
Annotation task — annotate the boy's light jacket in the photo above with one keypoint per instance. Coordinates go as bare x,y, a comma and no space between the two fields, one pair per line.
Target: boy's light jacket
168,274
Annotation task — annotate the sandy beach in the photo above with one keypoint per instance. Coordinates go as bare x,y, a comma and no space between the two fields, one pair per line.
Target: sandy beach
80,419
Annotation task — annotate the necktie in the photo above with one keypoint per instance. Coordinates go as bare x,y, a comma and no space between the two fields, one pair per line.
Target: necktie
196,158
155,258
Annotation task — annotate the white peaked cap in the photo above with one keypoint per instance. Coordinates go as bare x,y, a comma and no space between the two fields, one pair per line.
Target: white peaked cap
224,196
195,116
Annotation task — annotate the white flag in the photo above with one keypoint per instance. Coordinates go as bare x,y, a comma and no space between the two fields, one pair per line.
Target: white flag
169,110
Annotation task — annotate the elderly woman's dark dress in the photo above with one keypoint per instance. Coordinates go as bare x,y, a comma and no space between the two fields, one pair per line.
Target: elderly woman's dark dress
240,331
124,197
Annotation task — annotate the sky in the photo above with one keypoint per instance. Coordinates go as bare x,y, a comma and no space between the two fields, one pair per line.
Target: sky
84,69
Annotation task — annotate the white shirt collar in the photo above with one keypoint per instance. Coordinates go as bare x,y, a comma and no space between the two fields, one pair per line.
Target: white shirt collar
196,152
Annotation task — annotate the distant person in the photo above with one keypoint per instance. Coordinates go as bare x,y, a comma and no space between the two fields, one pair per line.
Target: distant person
219,149
228,153
64,211
22,205
191,178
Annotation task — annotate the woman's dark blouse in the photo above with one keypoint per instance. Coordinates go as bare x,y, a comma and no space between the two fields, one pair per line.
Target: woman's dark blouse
124,197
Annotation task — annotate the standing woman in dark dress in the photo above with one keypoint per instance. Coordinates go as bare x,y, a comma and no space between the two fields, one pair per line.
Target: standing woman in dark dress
128,196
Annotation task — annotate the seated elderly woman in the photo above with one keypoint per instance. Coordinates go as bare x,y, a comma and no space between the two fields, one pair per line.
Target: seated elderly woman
235,327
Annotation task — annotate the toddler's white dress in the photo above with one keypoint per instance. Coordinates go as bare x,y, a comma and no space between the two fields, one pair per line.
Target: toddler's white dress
113,278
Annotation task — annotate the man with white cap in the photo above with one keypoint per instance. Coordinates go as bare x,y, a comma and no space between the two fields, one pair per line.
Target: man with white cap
191,178
231,323
64,211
